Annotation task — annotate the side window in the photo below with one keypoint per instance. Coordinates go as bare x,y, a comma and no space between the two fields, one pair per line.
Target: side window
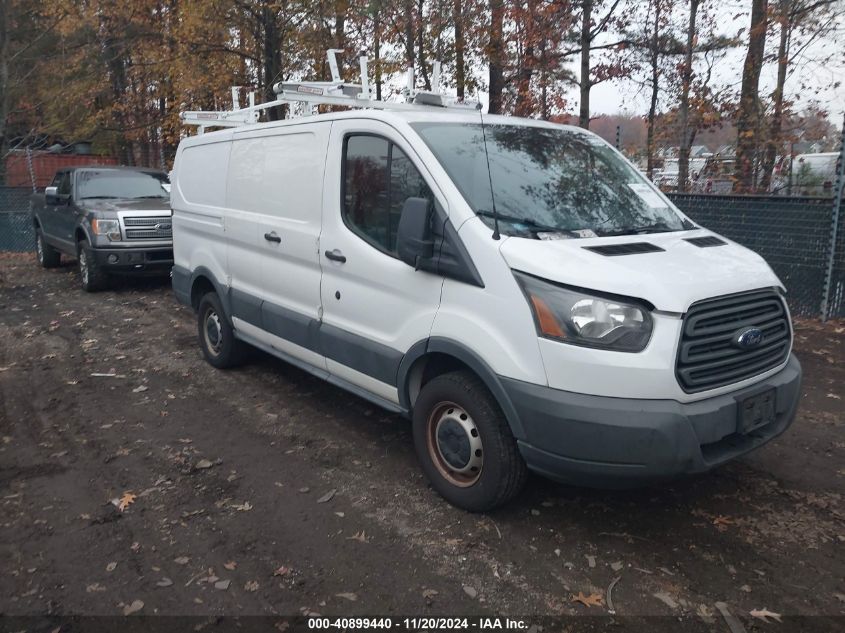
378,178
57,179
64,184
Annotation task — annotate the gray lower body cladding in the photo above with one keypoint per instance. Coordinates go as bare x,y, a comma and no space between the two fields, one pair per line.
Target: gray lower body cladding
620,442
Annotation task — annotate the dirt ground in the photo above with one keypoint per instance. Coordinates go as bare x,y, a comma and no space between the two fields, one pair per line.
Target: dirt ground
264,491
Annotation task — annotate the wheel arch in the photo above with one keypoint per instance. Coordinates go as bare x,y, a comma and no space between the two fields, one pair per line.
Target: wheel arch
203,281
435,356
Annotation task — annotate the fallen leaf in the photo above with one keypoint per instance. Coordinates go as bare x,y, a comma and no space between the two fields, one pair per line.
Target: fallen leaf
834,396
591,560
140,389
136,606
616,566
340,514
230,565
164,582
304,489
429,593
181,560
666,599
125,501
352,597
764,614
111,566
722,522
327,497
203,464
251,585
472,592
94,588
244,507
282,571
222,585
359,536
593,600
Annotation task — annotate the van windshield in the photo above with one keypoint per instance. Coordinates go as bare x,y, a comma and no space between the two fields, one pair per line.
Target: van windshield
548,182
119,183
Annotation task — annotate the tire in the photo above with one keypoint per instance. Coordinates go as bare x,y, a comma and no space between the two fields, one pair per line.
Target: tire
465,445
216,337
48,257
91,274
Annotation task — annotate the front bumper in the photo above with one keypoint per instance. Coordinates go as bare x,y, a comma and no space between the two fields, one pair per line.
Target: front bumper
621,442
135,260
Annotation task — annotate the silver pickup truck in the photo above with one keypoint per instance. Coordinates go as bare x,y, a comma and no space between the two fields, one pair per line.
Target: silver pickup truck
113,220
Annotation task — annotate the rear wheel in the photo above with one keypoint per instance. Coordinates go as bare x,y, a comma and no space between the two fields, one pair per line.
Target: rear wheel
465,445
48,256
91,274
216,336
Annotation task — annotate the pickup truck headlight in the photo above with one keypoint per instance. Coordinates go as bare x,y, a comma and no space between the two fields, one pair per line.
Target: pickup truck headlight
110,228
573,316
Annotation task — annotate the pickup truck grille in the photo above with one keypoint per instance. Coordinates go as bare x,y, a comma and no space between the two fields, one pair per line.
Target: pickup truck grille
709,355
159,227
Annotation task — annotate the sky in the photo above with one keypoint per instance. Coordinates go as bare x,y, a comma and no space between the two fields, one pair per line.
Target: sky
629,97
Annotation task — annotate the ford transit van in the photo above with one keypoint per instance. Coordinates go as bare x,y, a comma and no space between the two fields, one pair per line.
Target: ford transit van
515,287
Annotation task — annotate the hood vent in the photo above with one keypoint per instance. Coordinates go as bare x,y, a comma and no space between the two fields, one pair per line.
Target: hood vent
632,248
704,242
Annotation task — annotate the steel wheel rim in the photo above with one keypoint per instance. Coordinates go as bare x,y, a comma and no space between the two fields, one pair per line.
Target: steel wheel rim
454,444
212,332
39,248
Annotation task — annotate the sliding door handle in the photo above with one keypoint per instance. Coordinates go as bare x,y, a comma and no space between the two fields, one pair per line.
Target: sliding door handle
336,256
272,237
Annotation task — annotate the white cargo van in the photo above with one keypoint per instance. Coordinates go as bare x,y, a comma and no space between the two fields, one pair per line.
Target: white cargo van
515,287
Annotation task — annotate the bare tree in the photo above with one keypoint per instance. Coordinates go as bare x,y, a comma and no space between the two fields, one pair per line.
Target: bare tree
749,102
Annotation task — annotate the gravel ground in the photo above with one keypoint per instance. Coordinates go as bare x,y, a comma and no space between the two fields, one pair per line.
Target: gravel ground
264,491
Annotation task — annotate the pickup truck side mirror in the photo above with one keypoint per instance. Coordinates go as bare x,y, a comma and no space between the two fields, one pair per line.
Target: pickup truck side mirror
51,195
413,235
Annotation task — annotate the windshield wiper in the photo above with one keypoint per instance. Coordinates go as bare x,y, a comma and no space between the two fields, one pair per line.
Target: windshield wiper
658,227
533,225
149,197
100,197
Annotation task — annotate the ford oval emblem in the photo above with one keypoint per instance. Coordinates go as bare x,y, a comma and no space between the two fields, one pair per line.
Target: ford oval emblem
163,226
748,338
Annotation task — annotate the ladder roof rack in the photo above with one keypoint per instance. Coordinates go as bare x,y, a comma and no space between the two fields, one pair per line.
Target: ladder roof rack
304,95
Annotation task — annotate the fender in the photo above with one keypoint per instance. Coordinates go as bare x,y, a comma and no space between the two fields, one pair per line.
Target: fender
183,283
437,344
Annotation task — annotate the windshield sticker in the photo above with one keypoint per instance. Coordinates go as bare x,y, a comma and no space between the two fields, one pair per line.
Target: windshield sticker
648,195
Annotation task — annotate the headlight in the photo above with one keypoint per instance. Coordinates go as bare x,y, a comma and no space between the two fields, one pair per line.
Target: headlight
573,316
111,228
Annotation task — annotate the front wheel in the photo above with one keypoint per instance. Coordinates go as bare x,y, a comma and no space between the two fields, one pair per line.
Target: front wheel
465,445
91,273
216,336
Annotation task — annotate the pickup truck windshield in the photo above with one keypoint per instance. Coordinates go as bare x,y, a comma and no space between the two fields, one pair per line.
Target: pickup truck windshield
546,180
118,183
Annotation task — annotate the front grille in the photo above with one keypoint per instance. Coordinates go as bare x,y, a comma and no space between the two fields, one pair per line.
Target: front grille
157,227
708,356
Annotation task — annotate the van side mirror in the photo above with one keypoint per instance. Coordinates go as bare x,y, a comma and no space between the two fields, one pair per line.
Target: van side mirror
51,195
413,235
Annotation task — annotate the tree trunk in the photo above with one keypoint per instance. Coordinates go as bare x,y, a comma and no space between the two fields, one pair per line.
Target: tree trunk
341,8
683,109
272,59
421,45
377,49
774,141
748,116
409,33
655,77
460,45
524,106
496,56
584,81
4,86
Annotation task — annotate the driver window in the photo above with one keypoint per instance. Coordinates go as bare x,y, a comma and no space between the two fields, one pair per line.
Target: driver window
378,177
64,184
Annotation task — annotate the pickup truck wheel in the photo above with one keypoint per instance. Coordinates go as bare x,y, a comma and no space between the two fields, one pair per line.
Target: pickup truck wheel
91,274
465,445
216,337
48,256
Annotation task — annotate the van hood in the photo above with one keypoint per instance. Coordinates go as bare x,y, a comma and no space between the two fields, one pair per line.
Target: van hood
671,279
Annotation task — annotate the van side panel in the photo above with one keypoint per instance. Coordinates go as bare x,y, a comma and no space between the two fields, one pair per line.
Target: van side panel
197,199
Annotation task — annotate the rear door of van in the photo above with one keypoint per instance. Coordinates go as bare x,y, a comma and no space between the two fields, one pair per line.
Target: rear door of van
276,174
375,307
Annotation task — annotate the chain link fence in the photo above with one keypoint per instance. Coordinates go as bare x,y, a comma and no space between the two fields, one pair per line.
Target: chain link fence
16,232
